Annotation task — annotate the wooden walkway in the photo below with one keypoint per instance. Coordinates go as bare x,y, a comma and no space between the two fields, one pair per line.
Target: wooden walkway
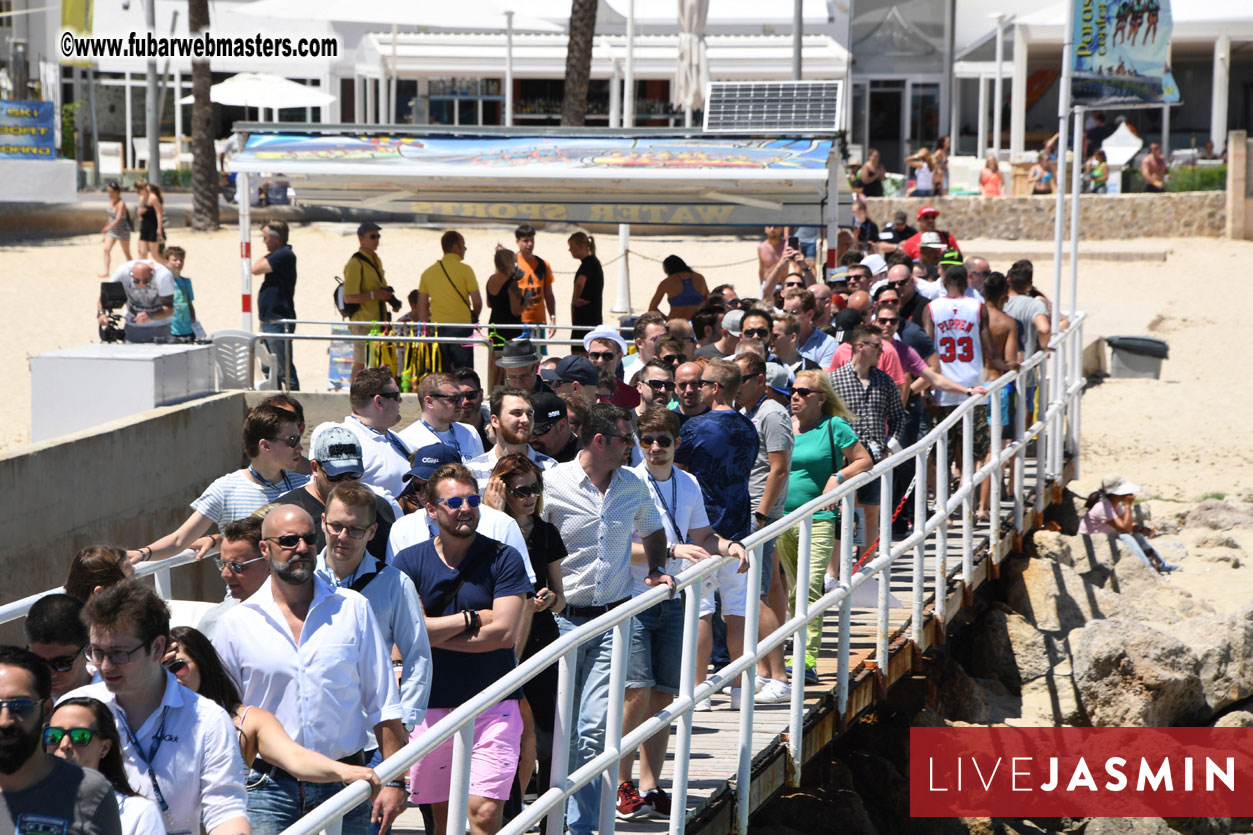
715,740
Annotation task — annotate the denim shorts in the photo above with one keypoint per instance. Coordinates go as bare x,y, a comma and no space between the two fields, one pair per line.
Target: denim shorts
768,565
868,494
657,647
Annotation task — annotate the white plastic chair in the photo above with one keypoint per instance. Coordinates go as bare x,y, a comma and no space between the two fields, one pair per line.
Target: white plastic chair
110,159
230,351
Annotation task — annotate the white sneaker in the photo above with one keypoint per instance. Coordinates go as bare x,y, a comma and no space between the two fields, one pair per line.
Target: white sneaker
704,705
774,693
759,682
736,692
829,583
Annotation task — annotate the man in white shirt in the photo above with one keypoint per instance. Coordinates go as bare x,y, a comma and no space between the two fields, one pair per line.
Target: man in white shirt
149,290
375,399
418,527
441,398
513,417
179,749
315,658
650,327
349,522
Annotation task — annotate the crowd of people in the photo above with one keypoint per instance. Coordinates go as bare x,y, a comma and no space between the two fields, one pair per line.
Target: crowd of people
396,572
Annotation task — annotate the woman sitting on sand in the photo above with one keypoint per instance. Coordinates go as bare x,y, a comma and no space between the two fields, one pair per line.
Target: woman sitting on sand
1110,511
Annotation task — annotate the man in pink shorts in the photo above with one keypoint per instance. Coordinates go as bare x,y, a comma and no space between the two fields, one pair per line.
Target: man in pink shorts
473,589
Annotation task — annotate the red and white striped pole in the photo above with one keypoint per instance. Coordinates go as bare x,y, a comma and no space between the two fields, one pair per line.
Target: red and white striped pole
245,250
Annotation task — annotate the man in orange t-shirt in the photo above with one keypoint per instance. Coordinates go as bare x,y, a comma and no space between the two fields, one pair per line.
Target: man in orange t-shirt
535,282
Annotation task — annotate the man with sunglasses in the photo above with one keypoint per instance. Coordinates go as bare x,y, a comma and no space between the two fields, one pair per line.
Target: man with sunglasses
242,567
688,389
365,287
336,459
315,657
40,793
375,400
348,523
551,434
605,348
441,398
149,290
597,506
473,589
655,383
272,444
755,332
55,633
179,748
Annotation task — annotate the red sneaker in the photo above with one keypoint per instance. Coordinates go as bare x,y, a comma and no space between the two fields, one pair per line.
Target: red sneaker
630,804
657,802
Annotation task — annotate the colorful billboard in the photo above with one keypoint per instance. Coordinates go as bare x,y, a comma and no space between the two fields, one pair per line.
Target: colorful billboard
1122,53
27,130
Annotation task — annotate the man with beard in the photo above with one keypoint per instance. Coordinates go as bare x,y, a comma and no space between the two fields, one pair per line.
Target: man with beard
39,792
474,589
179,749
512,418
315,658
687,384
149,300
596,506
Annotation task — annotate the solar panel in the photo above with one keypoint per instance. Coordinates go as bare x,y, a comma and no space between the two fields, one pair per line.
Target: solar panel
774,106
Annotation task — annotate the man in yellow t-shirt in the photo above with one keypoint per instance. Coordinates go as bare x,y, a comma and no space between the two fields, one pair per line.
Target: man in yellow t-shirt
364,285
448,294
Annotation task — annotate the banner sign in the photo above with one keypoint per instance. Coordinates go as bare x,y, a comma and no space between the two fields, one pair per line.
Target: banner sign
1122,53
1080,772
27,130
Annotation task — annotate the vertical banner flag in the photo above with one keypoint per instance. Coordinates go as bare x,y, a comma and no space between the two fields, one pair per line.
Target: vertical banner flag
26,130
1122,53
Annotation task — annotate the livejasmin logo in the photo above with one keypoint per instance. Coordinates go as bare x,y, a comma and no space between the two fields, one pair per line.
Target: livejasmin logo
1081,772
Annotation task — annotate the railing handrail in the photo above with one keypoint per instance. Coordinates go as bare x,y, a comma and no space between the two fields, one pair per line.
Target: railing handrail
457,720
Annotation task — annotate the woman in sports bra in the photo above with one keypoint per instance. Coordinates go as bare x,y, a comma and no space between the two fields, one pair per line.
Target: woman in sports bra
264,743
117,229
685,289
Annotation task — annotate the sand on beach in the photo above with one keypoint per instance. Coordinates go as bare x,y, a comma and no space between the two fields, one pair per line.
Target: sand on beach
1179,437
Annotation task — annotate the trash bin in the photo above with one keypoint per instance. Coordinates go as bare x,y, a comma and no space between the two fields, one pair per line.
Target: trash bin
1137,356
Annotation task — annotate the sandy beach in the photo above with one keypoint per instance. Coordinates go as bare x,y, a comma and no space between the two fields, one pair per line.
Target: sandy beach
1179,437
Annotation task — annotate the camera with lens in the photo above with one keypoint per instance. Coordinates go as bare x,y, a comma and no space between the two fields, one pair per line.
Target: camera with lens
112,297
393,301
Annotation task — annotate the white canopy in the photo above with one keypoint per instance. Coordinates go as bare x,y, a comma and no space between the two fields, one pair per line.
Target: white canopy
692,73
459,14
251,89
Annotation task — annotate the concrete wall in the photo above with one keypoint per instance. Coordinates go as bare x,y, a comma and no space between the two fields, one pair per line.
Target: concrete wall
125,483
1184,214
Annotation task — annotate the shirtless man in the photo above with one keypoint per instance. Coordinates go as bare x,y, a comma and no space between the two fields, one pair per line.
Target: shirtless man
769,251
1005,345
1153,169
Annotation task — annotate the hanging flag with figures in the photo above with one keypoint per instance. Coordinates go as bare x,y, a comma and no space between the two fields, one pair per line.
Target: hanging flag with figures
1122,53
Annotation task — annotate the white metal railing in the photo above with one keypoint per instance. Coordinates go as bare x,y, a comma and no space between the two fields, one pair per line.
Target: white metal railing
1051,433
159,570
1055,429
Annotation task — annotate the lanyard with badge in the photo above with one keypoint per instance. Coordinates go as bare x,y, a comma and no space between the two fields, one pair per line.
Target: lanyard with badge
674,500
148,760
452,433
271,484
392,439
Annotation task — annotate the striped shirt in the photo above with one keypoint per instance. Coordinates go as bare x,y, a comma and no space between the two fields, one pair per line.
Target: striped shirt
235,495
597,530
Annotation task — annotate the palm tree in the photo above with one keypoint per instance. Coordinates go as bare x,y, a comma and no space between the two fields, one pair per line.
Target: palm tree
204,169
578,62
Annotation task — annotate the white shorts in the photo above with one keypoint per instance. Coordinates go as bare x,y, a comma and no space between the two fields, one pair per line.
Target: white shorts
731,586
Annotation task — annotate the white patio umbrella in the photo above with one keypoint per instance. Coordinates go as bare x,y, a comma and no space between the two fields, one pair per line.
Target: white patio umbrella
692,73
252,89
475,15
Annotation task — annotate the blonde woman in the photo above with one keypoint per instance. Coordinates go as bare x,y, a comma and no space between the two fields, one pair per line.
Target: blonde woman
991,180
825,455
924,166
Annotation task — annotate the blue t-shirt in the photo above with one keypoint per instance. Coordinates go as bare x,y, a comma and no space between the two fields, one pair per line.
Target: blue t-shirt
720,448
915,337
180,321
277,296
457,676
